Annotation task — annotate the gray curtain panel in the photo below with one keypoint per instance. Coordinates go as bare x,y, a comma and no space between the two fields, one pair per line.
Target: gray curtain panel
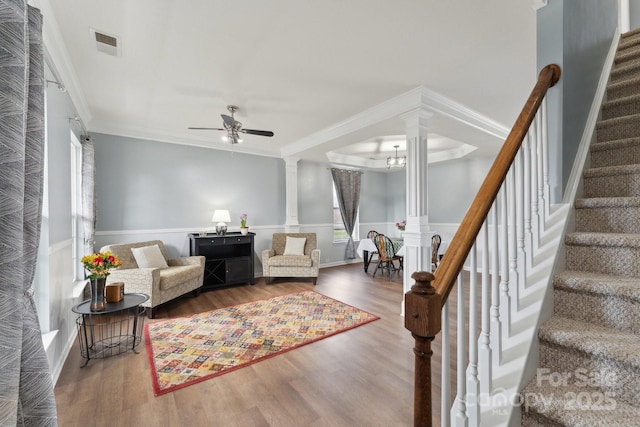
88,194
347,184
26,388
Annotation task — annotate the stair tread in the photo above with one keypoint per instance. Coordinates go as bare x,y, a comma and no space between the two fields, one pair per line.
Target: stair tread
607,202
612,170
622,100
629,34
624,83
597,341
599,284
617,121
626,55
625,67
566,405
614,144
596,239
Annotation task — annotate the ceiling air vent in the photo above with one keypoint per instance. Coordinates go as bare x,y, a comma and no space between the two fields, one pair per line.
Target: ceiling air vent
106,43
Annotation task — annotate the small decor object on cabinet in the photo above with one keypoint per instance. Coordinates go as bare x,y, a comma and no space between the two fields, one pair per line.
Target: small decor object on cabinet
243,224
98,266
401,225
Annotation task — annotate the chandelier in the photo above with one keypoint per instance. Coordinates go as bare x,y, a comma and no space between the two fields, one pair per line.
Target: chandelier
396,162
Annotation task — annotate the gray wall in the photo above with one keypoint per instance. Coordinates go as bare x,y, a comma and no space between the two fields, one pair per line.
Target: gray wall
576,35
452,187
315,195
396,197
634,14
143,184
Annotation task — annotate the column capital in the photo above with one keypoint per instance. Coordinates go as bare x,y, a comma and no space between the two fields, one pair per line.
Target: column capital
420,113
291,161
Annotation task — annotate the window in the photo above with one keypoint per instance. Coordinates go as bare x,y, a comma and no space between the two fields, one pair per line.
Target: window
339,232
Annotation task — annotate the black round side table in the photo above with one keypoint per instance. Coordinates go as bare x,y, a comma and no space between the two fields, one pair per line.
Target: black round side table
114,330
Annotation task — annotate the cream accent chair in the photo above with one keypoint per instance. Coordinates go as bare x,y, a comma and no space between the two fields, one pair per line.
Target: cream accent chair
276,264
184,274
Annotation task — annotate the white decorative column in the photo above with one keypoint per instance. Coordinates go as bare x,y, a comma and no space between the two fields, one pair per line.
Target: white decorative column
417,238
291,167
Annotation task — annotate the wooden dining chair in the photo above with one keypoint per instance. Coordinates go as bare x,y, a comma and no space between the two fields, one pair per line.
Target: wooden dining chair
386,255
372,235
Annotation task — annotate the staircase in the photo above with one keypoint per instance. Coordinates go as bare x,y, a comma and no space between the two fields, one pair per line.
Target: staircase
589,371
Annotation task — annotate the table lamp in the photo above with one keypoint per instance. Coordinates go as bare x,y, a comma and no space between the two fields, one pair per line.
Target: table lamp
221,217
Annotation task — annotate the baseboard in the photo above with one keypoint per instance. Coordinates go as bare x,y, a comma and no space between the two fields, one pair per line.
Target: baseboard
572,190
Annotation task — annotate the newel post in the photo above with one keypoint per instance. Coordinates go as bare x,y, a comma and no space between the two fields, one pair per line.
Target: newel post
422,318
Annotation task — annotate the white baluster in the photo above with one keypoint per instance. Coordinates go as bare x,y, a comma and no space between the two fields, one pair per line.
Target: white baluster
473,385
521,253
445,398
528,240
540,166
505,298
484,342
495,326
533,169
459,409
545,160
513,239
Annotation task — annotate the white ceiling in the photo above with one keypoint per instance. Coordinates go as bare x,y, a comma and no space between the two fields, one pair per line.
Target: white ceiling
295,67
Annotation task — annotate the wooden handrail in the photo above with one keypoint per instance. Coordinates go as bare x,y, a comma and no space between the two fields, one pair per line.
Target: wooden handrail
423,303
460,246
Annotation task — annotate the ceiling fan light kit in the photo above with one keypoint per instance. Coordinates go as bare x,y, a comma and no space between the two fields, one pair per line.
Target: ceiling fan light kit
233,127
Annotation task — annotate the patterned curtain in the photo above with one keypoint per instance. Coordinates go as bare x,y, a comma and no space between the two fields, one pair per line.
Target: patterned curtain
88,194
347,184
26,388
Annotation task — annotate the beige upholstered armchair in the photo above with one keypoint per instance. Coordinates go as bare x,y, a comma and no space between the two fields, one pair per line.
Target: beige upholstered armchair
161,278
291,256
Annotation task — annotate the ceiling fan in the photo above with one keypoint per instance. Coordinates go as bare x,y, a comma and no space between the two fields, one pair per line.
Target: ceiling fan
234,127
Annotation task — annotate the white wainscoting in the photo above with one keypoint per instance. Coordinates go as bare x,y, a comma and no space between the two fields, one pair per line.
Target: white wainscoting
62,321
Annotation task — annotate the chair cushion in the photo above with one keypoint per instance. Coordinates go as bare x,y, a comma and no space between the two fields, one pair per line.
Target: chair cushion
294,246
149,257
290,261
178,275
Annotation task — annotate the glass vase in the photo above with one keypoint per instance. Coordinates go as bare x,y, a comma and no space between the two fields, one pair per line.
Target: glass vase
97,293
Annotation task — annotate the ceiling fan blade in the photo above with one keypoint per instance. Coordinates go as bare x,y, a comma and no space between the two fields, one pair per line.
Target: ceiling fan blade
257,132
205,128
228,120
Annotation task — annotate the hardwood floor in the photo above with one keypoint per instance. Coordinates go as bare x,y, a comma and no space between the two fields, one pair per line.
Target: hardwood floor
362,377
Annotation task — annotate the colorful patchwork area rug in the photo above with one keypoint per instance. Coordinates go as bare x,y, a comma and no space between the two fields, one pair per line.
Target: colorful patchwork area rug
187,350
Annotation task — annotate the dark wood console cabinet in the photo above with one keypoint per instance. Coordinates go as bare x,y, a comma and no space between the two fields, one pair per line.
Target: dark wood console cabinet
229,258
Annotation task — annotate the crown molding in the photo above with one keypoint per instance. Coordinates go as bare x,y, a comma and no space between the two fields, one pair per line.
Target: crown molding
420,99
366,163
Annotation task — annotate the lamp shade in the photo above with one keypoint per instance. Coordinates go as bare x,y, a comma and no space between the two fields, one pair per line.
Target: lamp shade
221,215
